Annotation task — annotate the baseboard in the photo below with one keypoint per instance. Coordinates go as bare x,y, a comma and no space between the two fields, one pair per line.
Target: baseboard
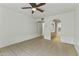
66,39
77,48
17,40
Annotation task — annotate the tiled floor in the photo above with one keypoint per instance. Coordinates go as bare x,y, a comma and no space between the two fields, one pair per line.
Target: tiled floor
39,47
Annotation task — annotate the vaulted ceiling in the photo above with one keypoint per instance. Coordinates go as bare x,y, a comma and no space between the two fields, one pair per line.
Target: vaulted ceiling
50,8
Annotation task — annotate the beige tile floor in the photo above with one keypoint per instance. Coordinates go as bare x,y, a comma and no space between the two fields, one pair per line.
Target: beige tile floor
39,47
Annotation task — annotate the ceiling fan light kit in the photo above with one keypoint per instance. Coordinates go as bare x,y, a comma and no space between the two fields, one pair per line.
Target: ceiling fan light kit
35,7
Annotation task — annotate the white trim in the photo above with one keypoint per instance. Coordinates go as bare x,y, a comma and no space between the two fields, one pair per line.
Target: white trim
67,39
17,40
77,48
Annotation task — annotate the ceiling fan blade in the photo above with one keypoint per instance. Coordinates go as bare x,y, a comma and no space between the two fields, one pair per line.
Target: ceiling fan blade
41,4
40,10
32,12
26,7
33,4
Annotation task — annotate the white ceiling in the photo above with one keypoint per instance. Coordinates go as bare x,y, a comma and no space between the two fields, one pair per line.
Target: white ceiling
50,8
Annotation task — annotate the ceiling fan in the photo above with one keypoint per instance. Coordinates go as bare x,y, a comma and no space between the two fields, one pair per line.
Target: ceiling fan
34,7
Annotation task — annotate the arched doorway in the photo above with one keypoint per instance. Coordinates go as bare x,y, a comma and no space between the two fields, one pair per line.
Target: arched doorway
55,35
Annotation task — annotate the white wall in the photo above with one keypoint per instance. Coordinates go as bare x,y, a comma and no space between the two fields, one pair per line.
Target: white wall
77,25
77,30
15,27
67,30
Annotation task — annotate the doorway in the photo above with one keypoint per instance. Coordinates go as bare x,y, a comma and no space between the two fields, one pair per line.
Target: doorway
55,35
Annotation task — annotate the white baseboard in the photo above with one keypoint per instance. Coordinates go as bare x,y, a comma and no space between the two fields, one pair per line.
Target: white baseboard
77,48
68,39
17,40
